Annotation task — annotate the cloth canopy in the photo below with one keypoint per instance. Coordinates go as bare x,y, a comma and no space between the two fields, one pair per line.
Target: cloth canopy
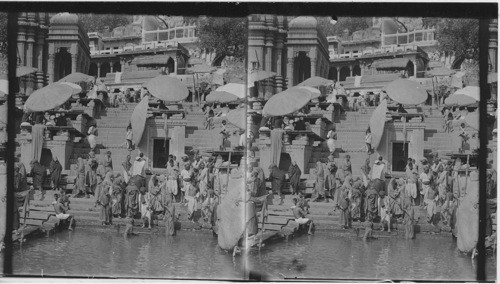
395,63
201,68
236,89
287,102
167,88
466,96
260,75
221,97
377,123
138,119
406,92
441,71
151,60
238,117
24,70
48,97
316,82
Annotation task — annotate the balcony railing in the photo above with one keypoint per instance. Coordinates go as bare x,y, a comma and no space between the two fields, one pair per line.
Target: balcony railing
145,46
373,51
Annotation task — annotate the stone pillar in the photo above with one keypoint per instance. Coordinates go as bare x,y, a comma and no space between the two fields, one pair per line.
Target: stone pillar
51,62
73,62
338,73
175,64
493,45
269,53
350,70
289,67
98,69
415,69
314,61
30,41
21,39
112,70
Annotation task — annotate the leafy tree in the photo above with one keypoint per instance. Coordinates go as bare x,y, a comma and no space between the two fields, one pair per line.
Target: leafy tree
460,36
351,23
98,22
224,36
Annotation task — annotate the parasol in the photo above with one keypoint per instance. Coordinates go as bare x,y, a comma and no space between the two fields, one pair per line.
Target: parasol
406,92
24,70
260,75
78,78
138,119
377,123
76,89
237,89
238,117
472,119
441,71
466,96
167,88
287,102
48,97
221,97
316,82
315,92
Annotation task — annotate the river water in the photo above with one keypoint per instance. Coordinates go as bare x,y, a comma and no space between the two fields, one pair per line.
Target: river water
194,254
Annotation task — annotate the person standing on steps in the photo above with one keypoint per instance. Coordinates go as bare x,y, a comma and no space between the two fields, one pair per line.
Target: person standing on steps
277,178
331,138
108,162
368,141
128,138
224,134
55,170
38,175
294,174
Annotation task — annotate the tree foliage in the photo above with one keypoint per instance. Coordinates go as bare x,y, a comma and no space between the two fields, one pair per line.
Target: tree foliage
350,23
224,36
98,22
460,36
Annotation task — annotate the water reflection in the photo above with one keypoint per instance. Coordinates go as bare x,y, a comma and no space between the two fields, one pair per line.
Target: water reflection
196,255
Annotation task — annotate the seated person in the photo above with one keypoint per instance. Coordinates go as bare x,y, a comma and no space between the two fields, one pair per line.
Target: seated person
300,216
288,123
61,209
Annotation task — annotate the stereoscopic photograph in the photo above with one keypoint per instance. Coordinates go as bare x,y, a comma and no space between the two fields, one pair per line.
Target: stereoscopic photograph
268,147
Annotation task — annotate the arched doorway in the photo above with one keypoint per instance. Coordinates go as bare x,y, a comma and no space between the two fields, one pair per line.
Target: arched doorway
62,64
93,69
170,65
302,67
105,69
344,73
117,67
332,73
410,69
356,71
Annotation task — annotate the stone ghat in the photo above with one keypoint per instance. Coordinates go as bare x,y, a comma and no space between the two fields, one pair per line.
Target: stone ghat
87,217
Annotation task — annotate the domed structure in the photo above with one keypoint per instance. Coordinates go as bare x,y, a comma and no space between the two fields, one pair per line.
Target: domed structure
64,19
303,23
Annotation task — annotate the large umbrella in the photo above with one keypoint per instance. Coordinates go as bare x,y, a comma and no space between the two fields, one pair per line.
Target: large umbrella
76,89
167,88
316,82
238,117
315,92
24,70
466,96
138,119
78,78
287,102
260,75
377,123
406,92
221,97
237,89
48,97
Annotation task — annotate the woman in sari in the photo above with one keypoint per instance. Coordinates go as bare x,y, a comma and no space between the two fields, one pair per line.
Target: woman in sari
172,177
371,203
355,200
319,183
330,180
408,218
203,181
80,179
55,172
104,201
411,181
365,172
116,196
169,217
442,183
294,174
154,196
